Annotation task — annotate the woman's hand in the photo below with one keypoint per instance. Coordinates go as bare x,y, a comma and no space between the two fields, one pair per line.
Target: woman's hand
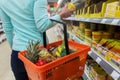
66,12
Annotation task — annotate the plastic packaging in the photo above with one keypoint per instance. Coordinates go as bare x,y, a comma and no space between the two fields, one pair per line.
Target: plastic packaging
77,4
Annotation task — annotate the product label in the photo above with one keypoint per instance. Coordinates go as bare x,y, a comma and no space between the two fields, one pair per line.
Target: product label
87,19
115,75
90,52
98,60
104,20
115,21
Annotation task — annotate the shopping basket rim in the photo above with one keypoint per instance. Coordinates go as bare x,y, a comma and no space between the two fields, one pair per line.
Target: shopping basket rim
56,62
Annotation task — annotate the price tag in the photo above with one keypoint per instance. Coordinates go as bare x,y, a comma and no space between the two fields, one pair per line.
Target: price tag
81,19
104,20
72,0
73,37
69,34
115,75
87,19
115,21
90,52
77,19
98,60
74,18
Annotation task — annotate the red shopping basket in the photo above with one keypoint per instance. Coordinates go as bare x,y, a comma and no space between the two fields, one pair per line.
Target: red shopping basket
69,67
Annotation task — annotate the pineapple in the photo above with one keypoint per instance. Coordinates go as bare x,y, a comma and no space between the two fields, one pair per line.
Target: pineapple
33,51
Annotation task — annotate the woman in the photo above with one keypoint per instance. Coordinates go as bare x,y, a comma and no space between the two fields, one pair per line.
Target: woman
25,20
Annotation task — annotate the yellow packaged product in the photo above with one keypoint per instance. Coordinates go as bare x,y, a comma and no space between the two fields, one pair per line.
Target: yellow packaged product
82,27
96,36
111,44
107,42
88,35
88,32
71,6
109,55
117,13
111,9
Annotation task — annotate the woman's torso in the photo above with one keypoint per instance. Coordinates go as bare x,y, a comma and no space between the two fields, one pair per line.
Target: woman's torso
22,19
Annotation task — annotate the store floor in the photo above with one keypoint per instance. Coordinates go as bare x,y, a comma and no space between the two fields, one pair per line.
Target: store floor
5,70
5,52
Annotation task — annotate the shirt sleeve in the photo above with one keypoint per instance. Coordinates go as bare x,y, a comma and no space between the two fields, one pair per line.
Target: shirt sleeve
41,17
7,26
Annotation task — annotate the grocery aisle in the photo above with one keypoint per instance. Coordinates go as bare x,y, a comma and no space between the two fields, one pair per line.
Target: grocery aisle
93,24
5,70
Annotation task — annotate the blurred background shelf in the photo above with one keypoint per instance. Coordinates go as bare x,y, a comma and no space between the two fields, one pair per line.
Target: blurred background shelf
110,69
109,21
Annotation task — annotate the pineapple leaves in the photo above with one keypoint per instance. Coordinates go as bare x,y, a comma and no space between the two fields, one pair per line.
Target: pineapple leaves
33,51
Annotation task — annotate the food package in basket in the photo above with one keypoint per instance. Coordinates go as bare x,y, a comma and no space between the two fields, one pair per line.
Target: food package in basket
52,62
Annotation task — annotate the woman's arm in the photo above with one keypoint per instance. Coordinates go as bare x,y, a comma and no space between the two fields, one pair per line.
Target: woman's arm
7,26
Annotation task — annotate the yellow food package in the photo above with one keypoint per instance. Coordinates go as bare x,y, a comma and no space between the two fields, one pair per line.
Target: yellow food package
103,41
111,44
109,55
111,9
96,36
71,6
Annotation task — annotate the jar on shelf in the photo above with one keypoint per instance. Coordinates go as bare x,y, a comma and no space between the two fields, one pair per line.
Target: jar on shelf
96,37
82,26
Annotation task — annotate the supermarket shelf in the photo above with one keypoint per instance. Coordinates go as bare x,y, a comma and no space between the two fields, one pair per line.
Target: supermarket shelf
110,69
85,75
109,21
114,72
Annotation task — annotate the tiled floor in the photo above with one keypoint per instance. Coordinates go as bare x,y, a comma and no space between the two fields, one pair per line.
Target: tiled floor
5,70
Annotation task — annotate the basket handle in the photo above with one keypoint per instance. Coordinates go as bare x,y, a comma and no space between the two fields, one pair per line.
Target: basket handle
65,36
